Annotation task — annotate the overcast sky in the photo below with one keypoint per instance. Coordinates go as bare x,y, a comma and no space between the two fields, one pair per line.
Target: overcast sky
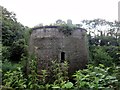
34,12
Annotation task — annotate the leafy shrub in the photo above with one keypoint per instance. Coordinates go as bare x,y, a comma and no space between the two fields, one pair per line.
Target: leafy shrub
60,71
18,49
100,56
60,75
5,53
95,78
32,82
8,66
14,79
27,33
115,70
114,52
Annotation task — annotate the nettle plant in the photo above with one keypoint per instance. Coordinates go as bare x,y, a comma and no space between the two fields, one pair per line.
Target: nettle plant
14,79
95,78
60,75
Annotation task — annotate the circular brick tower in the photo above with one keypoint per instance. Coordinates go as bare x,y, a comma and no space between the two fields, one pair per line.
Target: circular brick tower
49,43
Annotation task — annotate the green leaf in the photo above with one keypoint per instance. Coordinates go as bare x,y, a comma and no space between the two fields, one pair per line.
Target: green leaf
69,85
55,87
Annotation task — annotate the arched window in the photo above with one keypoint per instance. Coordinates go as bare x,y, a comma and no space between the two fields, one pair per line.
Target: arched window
62,57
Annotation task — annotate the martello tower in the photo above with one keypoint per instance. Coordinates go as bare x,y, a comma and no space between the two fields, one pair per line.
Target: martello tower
52,43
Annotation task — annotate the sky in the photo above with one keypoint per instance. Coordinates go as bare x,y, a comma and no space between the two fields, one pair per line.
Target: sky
33,12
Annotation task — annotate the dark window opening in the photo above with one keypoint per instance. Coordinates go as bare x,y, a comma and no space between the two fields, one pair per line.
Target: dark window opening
62,57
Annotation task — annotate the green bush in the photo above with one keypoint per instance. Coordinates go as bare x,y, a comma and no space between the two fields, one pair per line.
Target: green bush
114,52
18,49
95,78
100,56
5,53
33,80
60,73
8,66
14,79
115,70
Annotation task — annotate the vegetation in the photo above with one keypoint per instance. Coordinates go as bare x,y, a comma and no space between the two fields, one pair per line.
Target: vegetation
102,72
66,29
95,78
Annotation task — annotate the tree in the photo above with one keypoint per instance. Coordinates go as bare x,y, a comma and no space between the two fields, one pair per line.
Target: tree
11,29
103,32
13,39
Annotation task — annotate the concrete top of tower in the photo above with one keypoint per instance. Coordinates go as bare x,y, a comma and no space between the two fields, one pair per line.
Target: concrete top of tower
40,27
